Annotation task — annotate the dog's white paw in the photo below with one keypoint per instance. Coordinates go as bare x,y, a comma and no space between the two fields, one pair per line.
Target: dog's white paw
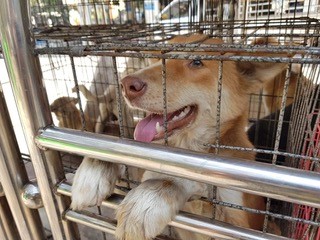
93,182
147,209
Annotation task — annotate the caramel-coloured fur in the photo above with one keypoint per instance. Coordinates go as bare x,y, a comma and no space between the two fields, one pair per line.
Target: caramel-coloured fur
148,208
197,86
68,114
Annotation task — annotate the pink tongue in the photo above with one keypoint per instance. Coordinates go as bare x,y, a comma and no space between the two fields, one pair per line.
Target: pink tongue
146,128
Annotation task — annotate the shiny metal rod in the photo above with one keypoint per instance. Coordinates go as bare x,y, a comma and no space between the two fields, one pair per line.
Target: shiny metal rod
183,220
33,107
2,233
91,220
277,182
13,177
1,190
97,222
8,227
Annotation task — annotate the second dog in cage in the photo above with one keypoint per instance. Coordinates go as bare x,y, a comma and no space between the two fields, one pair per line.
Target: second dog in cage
107,105
68,114
192,97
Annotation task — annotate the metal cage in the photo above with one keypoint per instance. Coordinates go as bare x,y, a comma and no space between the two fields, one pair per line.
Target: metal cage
65,60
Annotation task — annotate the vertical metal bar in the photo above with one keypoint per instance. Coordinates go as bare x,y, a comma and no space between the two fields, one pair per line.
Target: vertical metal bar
133,7
1,190
213,189
231,21
31,99
123,133
124,130
13,177
76,82
95,12
2,233
244,18
164,92
278,134
201,10
218,108
8,227
220,17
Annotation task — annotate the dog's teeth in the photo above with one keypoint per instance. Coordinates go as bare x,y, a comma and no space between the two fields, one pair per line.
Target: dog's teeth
158,127
187,109
175,118
182,114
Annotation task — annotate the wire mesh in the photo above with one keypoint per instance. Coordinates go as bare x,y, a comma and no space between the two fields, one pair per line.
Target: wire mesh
89,46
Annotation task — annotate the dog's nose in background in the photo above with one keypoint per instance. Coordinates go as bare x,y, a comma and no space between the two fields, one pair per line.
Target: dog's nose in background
133,87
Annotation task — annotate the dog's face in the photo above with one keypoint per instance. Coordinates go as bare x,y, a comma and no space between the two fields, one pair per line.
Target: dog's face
66,111
192,97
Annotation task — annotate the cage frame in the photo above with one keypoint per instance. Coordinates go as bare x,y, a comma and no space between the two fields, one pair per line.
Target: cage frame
38,126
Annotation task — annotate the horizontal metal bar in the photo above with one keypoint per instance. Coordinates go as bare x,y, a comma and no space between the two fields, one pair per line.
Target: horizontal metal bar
91,29
193,47
91,220
183,220
279,153
82,52
97,222
112,202
287,184
122,32
189,56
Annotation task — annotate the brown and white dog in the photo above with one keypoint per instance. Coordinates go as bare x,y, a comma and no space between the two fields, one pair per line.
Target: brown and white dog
108,109
68,114
192,87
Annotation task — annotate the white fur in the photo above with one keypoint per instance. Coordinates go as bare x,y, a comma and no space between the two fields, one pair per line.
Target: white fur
147,209
233,197
93,182
230,196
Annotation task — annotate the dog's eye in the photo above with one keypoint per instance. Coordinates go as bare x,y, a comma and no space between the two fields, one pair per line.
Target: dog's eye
196,63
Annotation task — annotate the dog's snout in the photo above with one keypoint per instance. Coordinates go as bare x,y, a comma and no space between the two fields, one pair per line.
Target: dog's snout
133,87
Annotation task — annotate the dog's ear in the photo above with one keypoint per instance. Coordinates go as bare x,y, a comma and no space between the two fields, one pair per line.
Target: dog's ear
74,100
63,103
261,72
55,105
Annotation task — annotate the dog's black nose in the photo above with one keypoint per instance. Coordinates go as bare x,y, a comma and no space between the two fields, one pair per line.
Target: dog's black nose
133,87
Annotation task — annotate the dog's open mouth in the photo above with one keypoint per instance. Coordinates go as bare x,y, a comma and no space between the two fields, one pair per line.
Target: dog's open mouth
151,128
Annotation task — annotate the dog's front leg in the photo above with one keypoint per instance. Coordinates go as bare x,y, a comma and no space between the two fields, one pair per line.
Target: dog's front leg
147,209
93,182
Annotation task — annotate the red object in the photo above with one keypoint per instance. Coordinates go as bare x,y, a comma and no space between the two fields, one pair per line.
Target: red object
302,211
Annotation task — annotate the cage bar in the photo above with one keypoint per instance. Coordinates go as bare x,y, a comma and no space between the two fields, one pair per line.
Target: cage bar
1,191
297,27
282,183
183,220
26,81
8,228
28,221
